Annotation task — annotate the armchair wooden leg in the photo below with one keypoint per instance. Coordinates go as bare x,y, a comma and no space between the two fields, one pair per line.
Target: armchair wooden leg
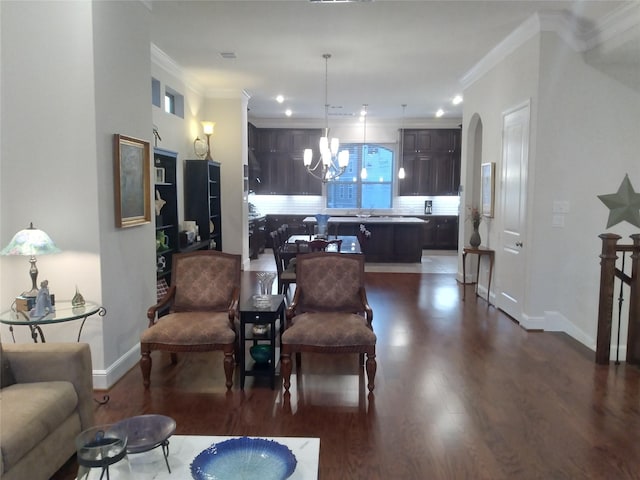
285,362
174,358
145,366
372,366
228,368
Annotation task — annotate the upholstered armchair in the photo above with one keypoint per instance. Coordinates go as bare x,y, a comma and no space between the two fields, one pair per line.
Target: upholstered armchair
329,312
203,303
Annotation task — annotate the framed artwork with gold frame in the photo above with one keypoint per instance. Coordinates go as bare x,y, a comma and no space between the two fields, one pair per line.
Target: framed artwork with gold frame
131,181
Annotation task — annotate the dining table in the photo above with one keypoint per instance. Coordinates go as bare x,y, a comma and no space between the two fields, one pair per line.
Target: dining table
350,245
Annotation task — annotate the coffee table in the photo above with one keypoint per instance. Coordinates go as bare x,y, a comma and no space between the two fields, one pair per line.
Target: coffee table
150,465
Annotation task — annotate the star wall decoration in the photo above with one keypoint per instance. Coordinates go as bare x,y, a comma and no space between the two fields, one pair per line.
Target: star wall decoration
624,206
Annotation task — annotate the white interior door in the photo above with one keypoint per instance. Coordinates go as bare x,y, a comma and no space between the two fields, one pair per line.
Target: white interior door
515,157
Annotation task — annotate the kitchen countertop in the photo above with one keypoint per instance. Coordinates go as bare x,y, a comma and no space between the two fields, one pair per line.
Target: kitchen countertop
373,219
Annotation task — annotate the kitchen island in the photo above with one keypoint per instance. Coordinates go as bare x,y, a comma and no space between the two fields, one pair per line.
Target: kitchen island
390,239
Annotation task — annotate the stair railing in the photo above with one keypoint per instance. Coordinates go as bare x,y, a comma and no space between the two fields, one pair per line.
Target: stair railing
608,272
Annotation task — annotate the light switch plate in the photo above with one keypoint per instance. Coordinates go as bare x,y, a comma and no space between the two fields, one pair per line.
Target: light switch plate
557,221
560,206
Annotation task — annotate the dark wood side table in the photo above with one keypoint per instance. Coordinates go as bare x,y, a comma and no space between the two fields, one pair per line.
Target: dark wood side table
480,252
260,310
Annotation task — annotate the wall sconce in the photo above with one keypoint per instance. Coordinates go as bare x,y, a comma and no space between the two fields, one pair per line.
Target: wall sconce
207,128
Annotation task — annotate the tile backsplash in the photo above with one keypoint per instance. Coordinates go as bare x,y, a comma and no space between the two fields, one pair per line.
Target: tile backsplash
309,204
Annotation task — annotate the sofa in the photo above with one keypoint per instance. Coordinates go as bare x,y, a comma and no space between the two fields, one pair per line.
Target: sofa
46,399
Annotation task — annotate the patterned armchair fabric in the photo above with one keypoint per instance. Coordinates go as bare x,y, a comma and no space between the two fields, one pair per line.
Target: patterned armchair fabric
194,279
202,302
330,283
329,312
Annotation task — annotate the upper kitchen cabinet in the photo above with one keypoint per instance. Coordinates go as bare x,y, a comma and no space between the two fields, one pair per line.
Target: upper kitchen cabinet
278,164
301,183
431,158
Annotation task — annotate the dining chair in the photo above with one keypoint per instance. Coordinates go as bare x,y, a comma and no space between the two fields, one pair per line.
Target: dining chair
286,271
321,245
329,312
203,303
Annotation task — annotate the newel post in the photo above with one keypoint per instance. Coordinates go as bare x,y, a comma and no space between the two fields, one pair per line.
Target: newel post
633,332
607,273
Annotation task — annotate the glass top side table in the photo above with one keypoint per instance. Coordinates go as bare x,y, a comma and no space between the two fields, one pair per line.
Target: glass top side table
64,312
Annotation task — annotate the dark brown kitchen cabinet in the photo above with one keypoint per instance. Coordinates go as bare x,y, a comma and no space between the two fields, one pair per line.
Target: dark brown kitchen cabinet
440,232
257,236
431,159
279,155
300,182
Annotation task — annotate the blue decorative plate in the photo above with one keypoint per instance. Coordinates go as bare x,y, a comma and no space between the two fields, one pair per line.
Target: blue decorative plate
244,459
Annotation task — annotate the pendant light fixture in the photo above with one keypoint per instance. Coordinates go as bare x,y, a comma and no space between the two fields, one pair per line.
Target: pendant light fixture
365,150
401,173
331,163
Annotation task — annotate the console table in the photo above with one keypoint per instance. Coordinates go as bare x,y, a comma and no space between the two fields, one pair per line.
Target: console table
480,252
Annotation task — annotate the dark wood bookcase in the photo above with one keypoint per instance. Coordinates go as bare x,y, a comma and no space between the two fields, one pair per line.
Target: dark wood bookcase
165,190
203,200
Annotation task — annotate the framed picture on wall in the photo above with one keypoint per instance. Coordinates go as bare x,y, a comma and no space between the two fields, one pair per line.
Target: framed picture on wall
131,181
160,175
487,188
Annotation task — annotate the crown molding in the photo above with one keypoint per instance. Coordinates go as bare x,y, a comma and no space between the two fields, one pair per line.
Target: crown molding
617,22
164,61
575,33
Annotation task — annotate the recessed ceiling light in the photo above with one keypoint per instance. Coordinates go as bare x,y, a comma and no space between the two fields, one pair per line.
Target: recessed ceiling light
439,113
288,112
279,99
457,100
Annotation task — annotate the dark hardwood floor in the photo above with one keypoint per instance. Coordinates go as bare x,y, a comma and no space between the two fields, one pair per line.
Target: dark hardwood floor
462,392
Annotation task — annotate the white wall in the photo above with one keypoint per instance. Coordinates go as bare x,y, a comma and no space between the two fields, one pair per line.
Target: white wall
584,127
588,140
229,147
75,73
121,32
48,151
510,83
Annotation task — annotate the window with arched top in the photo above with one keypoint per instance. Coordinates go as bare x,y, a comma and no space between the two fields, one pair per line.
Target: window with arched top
376,190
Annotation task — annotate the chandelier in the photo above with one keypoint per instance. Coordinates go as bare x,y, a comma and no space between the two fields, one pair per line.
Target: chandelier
365,149
332,163
401,173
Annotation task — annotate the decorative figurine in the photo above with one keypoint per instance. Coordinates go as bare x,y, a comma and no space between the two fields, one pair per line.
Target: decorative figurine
78,299
43,301
159,203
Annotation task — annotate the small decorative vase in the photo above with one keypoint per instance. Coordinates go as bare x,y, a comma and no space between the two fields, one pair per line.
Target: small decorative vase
475,239
78,299
323,225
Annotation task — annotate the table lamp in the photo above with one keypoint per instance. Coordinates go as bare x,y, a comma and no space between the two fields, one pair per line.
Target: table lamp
31,242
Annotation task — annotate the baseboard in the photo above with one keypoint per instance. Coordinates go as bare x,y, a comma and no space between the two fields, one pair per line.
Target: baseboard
104,379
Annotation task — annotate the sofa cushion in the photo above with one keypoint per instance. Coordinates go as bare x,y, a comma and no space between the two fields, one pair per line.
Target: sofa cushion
29,412
6,375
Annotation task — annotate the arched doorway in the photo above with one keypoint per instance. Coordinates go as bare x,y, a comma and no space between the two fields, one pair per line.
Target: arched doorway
471,192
